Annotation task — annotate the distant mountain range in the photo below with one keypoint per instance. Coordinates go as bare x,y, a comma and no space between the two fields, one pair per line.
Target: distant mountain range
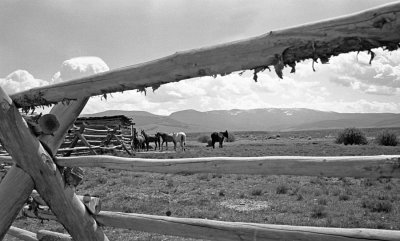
267,119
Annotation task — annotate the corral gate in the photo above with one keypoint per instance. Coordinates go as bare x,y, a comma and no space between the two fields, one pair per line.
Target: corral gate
35,165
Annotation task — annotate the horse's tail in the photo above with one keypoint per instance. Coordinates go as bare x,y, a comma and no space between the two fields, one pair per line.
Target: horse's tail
183,139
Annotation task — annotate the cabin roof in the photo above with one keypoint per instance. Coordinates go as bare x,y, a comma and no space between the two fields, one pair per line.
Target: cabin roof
117,119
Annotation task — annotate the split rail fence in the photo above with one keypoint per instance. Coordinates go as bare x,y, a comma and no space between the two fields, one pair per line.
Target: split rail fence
37,168
83,141
99,140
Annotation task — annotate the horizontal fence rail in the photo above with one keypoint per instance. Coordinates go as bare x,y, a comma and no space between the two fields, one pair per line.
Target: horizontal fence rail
337,166
22,234
378,27
340,166
229,231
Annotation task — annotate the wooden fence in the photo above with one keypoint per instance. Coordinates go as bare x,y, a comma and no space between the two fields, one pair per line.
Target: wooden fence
34,153
85,140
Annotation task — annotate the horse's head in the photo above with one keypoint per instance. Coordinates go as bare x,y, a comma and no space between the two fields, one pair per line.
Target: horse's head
142,132
225,133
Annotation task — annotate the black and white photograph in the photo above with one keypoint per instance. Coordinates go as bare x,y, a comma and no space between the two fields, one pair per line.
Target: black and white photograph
184,120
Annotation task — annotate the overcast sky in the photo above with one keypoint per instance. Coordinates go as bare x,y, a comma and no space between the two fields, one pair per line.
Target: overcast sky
48,41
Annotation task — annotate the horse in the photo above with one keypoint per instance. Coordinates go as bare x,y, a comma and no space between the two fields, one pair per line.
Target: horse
218,137
165,138
148,139
137,142
181,138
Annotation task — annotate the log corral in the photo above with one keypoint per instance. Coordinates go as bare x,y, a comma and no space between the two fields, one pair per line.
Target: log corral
93,135
33,146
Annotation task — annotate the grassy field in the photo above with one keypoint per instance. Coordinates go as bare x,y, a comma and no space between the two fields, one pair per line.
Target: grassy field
292,200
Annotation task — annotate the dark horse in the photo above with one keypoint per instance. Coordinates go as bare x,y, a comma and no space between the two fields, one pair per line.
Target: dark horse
165,138
218,137
148,139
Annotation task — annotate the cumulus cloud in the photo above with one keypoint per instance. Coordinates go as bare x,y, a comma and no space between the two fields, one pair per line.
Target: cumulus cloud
382,77
79,67
305,89
20,80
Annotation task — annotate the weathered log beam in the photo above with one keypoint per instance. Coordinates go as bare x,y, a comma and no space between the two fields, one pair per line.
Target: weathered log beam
91,203
38,163
42,214
86,143
378,27
75,139
229,231
45,235
220,230
341,166
14,191
22,234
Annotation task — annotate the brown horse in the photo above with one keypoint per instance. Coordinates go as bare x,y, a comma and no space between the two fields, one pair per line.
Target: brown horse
165,138
137,142
148,139
218,137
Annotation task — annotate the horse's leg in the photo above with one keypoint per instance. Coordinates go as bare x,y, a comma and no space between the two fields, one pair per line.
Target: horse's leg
213,144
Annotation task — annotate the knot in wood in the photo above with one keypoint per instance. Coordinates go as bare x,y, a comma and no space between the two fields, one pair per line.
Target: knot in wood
4,105
48,161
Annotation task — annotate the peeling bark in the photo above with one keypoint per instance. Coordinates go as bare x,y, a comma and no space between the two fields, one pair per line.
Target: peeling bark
363,31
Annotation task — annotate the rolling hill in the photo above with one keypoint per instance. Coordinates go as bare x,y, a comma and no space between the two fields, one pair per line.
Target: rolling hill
266,119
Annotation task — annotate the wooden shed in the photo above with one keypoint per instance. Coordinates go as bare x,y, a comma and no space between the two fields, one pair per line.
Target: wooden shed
118,121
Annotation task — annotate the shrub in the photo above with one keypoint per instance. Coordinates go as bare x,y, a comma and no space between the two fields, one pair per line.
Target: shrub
256,192
377,205
318,212
343,197
281,189
101,180
231,137
322,201
299,197
203,139
387,138
352,136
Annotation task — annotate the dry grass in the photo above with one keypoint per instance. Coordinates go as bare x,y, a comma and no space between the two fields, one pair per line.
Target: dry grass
292,200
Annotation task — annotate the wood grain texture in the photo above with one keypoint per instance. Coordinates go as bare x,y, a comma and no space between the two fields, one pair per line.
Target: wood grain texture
230,231
22,234
220,230
341,166
45,235
38,163
15,189
93,204
378,27
66,115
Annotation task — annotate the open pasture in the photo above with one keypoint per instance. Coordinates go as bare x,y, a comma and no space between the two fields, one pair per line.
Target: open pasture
292,200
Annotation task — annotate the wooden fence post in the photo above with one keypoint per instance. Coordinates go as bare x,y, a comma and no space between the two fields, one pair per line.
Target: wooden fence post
15,188
30,155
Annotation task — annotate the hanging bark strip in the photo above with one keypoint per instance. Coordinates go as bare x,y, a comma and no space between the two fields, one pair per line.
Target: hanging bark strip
363,31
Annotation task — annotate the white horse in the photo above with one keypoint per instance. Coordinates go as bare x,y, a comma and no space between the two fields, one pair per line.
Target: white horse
181,138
